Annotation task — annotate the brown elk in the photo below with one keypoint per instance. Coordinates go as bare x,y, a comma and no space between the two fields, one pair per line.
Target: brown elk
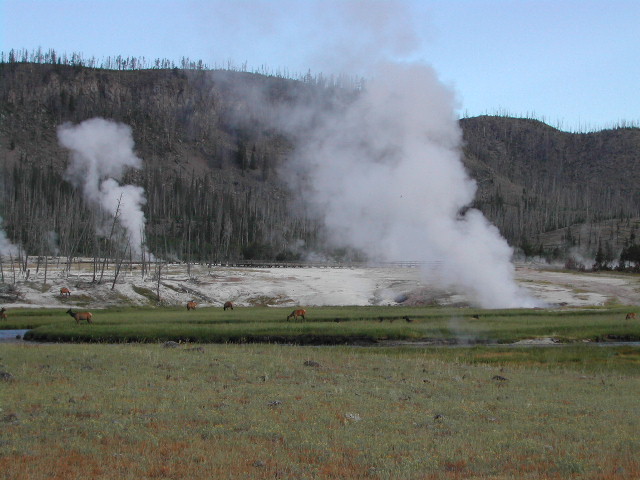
191,305
3,313
630,316
80,316
297,313
228,305
65,291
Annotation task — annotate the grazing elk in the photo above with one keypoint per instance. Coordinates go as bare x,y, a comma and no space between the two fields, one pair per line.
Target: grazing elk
630,316
297,313
228,305
64,291
191,305
80,316
3,313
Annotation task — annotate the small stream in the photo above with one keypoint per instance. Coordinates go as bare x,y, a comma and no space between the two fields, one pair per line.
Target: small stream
8,336
12,335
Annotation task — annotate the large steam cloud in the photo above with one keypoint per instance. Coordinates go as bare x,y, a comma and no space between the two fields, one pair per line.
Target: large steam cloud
384,171
101,152
386,175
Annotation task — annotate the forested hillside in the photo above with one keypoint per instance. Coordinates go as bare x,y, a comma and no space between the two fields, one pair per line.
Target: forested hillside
211,165
538,183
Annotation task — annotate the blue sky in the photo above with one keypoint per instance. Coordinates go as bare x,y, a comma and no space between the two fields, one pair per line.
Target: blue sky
572,63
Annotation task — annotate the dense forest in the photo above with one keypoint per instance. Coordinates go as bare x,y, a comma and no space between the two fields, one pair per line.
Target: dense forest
211,163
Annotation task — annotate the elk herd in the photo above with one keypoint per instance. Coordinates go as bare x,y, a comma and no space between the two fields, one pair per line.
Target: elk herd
191,305
87,316
299,313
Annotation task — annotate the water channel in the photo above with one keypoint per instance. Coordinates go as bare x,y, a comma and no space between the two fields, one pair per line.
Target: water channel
8,336
12,335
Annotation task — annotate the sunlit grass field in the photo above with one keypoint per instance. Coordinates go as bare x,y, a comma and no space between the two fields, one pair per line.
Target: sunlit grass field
202,411
328,325
220,404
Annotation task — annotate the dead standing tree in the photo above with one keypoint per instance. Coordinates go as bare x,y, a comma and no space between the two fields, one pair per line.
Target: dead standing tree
158,272
118,264
105,261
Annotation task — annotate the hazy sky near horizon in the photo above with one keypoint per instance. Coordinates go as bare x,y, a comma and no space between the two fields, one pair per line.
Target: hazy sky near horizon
572,63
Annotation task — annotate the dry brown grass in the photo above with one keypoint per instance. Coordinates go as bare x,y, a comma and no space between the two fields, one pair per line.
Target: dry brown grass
257,411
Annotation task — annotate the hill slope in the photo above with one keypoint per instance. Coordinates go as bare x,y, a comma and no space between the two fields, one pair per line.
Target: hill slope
211,160
535,179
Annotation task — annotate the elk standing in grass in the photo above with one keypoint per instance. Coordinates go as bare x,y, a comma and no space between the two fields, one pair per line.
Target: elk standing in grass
80,316
631,315
3,313
228,305
297,313
64,291
191,305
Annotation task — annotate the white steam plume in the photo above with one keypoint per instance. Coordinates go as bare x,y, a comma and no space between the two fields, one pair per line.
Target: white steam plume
101,152
6,247
386,174
384,170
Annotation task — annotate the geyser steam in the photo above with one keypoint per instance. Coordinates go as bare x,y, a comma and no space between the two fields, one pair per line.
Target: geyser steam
101,152
6,247
384,169
385,173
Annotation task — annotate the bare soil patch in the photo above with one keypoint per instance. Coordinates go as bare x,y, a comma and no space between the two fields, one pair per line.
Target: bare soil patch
214,285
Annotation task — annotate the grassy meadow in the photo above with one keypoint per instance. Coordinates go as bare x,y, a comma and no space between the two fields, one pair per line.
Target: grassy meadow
326,325
145,411
129,406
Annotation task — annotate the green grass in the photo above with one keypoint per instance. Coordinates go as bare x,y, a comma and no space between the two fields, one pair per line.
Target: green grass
588,358
327,325
151,297
132,411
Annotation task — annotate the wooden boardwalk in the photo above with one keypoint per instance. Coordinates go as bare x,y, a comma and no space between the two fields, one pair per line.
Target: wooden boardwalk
269,264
